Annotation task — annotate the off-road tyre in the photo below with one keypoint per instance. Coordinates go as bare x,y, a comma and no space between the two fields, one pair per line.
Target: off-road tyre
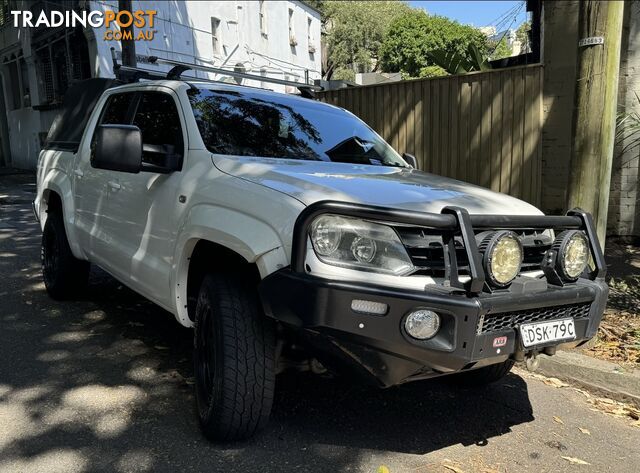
65,276
234,359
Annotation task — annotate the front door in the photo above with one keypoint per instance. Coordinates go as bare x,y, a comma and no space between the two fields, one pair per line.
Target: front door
141,218
91,186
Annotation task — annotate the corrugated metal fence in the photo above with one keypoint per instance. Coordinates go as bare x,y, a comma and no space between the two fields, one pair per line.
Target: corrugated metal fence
483,128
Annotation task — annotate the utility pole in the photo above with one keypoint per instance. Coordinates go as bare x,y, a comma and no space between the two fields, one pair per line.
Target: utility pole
594,115
128,45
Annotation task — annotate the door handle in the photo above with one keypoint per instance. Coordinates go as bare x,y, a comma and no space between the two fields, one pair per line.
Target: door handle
114,185
78,173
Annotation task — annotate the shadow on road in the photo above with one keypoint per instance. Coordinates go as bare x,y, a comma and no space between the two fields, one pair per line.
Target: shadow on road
105,383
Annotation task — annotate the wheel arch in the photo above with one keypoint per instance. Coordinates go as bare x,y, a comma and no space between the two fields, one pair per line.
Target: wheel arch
56,194
240,240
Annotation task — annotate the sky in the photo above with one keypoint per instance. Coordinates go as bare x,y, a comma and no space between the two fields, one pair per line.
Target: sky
478,13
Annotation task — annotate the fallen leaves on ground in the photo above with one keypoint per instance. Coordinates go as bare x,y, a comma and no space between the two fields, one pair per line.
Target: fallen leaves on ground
615,408
584,431
451,467
618,337
555,382
576,461
608,406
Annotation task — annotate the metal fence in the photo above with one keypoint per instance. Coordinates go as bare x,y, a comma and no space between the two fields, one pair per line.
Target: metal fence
483,128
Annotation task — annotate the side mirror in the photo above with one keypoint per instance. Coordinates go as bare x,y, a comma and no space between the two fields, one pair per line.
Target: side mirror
411,160
160,158
117,148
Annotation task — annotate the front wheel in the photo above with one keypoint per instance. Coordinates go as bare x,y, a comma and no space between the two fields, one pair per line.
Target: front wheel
64,275
234,358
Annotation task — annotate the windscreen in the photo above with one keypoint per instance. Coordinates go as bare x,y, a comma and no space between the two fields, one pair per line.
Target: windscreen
268,125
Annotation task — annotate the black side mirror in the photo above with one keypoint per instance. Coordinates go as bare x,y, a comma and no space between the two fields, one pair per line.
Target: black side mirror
117,148
411,160
160,158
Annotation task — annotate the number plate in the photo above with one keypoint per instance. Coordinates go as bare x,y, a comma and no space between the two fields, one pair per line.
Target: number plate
541,333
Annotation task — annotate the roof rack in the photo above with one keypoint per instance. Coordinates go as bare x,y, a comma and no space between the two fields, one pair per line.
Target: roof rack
134,74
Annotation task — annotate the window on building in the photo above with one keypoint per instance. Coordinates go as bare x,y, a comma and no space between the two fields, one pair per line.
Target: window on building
215,34
5,15
24,81
263,18
311,46
59,63
158,120
14,85
292,33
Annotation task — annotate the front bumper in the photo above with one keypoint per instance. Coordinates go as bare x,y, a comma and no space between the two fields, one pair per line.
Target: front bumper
377,348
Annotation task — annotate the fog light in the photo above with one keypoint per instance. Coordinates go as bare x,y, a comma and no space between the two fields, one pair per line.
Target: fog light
573,250
369,307
502,257
422,324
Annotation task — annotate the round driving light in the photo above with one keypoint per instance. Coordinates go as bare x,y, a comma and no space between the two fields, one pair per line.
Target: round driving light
502,257
326,235
363,249
422,324
573,254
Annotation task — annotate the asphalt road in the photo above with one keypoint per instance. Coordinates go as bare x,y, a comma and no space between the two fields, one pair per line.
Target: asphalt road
105,384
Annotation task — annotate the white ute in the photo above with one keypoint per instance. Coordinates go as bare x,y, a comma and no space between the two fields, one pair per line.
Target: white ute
281,227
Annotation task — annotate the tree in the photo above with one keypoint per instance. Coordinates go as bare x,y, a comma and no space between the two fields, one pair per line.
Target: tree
415,35
522,35
353,33
499,49
594,114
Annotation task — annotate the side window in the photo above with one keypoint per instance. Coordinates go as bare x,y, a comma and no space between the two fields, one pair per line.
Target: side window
158,120
116,110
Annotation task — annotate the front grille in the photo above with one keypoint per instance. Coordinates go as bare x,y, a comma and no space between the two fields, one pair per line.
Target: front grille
510,320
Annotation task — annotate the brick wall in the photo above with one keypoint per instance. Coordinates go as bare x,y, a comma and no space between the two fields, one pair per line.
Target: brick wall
560,29
624,205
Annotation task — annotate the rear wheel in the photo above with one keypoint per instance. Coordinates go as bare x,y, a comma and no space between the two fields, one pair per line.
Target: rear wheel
64,275
234,351
485,375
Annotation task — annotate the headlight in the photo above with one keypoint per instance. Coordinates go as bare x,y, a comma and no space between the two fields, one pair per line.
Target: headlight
358,244
502,257
573,254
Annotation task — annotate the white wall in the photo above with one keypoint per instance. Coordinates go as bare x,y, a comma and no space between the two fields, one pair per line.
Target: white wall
183,32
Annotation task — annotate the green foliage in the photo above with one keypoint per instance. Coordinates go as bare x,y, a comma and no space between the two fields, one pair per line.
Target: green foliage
344,73
628,127
432,71
416,39
354,31
499,49
454,63
522,35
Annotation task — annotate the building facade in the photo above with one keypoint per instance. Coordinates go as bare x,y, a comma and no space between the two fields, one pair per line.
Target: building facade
279,39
